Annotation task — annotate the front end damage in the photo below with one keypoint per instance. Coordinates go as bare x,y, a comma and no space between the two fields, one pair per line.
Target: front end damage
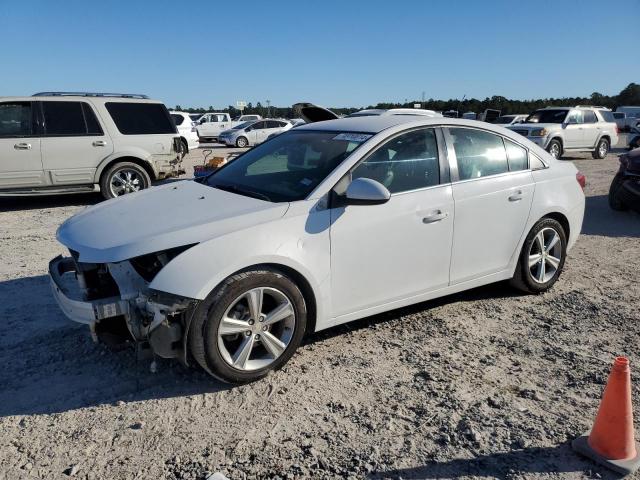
115,300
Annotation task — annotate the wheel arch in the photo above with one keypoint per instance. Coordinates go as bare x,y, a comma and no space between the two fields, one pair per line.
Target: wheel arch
299,279
138,161
561,219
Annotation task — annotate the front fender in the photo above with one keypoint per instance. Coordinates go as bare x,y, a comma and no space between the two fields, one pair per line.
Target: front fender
299,241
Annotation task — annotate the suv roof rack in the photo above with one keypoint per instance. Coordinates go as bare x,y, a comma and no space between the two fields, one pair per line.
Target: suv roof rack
89,94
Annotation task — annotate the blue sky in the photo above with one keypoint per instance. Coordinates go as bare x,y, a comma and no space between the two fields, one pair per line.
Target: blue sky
334,53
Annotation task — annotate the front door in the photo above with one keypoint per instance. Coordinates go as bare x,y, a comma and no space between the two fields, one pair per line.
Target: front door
393,251
574,130
492,196
73,144
20,160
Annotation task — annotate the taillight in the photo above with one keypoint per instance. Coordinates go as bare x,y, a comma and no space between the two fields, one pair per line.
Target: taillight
582,180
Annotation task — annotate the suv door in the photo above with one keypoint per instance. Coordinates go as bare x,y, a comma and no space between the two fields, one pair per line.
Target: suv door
573,136
20,160
73,142
591,130
493,195
383,253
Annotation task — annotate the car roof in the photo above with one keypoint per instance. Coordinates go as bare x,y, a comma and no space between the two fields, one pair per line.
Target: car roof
376,124
77,98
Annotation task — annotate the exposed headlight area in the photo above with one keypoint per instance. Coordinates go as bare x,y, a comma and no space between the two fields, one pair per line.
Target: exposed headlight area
538,132
115,300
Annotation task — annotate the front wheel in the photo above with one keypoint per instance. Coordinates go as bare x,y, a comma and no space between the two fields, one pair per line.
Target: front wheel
242,142
248,326
542,257
601,149
123,178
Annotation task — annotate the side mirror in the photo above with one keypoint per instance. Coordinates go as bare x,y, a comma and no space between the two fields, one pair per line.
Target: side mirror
248,129
572,121
364,191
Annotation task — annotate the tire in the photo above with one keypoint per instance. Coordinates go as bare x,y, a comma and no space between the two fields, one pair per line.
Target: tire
184,146
242,142
524,277
136,176
614,193
220,354
555,148
602,148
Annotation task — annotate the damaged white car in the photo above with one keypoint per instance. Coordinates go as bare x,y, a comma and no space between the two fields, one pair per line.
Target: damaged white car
327,223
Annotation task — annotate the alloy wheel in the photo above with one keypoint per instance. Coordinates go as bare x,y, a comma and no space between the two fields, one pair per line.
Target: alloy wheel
545,255
256,328
603,149
125,181
555,150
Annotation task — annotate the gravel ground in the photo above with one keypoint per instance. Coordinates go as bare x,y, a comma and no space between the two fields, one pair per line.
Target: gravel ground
483,384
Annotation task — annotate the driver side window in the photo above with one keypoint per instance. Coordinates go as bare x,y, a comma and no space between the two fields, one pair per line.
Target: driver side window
406,162
575,117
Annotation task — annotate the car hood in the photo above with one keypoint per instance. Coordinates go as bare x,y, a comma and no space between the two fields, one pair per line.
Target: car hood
167,216
311,113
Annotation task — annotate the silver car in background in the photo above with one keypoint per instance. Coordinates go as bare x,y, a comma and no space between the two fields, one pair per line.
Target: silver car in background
249,134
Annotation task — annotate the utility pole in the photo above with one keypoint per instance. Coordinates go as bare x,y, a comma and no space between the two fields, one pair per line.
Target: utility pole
268,108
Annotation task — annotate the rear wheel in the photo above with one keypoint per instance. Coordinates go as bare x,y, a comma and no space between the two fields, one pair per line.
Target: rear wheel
248,326
542,257
601,149
242,142
123,178
614,193
555,148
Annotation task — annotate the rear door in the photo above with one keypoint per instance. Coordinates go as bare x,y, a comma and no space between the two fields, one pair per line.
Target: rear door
592,129
73,142
493,191
20,160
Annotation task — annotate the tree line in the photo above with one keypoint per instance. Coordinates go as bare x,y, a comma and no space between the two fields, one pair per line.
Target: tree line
630,95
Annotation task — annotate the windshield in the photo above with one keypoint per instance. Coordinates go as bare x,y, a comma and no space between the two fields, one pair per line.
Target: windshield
547,116
504,119
288,167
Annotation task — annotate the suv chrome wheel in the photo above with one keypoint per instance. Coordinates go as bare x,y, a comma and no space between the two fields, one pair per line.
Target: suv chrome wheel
554,149
545,254
256,328
125,181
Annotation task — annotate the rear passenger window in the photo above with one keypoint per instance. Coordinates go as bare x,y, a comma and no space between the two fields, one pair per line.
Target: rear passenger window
517,156
407,162
15,119
140,118
64,118
479,153
177,119
589,117
93,126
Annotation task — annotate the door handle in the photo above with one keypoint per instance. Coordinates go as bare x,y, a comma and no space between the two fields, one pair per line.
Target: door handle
516,196
99,143
435,217
22,146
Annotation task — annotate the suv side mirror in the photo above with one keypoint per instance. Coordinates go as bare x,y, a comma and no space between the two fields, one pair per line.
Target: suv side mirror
365,191
572,121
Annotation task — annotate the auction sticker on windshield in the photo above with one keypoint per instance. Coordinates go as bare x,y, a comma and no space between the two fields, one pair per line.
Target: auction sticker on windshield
353,137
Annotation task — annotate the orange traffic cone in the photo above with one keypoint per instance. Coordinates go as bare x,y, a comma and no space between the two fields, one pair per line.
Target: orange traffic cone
611,440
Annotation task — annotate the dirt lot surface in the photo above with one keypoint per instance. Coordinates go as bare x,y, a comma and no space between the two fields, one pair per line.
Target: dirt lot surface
484,384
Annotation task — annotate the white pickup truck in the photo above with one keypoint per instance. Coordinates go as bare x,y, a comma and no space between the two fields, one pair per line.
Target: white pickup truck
210,125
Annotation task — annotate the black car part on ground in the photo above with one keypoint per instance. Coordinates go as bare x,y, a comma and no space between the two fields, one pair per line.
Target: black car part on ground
624,192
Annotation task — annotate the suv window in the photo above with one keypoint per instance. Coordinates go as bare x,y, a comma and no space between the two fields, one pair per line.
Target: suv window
177,119
608,116
575,116
15,119
406,162
517,156
589,116
70,118
479,153
140,118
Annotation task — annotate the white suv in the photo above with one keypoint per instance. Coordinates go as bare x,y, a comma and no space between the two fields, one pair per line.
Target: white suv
57,142
577,129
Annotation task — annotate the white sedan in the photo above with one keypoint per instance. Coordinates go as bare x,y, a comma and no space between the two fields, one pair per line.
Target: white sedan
186,129
327,223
